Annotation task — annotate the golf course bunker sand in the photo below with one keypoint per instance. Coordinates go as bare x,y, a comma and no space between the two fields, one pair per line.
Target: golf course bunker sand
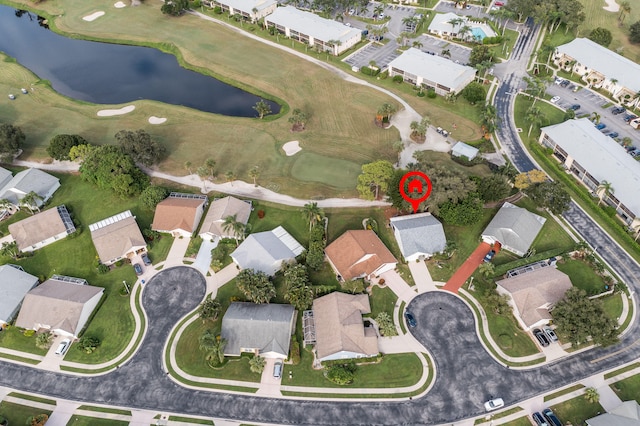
112,112
156,120
120,5
611,6
291,148
93,16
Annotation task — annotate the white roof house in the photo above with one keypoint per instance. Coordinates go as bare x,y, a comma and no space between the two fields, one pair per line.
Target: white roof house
422,69
419,235
314,30
514,228
14,285
591,57
594,157
27,181
266,251
461,149
252,9
5,176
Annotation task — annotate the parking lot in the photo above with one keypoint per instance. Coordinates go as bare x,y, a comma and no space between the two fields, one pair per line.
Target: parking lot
381,54
591,102
459,54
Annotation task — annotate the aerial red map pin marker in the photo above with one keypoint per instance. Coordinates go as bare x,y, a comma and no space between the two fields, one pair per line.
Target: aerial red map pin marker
419,187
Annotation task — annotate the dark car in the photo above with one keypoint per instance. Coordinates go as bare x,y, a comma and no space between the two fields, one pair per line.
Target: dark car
411,320
137,268
613,135
575,107
551,418
600,126
540,421
542,338
630,117
489,256
565,83
617,110
145,259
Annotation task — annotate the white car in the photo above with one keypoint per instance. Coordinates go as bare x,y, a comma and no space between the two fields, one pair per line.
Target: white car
493,404
63,346
555,99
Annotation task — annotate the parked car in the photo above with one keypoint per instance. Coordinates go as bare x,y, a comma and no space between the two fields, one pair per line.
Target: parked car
542,338
551,418
565,83
489,256
617,110
630,148
540,421
629,117
559,80
555,99
411,320
499,3
550,333
613,134
493,404
600,126
63,346
145,259
634,153
137,268
277,369
575,107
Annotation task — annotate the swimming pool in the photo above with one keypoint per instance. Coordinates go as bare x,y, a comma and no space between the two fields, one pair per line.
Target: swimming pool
478,33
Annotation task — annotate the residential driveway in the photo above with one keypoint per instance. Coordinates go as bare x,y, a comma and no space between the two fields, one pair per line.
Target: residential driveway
203,259
467,269
398,286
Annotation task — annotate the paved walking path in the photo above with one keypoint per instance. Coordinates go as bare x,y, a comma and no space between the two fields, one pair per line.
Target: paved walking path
467,269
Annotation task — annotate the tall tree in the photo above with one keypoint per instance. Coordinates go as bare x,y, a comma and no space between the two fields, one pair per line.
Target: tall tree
262,108
213,346
298,290
387,110
602,36
60,145
494,188
11,139
32,200
480,53
625,9
313,213
374,179
231,225
255,286
209,309
254,173
604,190
10,250
140,147
210,164
5,205
174,7
108,167
549,195
298,118
535,117
188,165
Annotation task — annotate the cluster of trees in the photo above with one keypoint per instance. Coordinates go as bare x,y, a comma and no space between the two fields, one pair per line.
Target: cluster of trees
374,179
579,318
299,291
60,145
419,128
255,286
140,147
550,12
549,195
109,167
152,195
88,344
317,242
634,32
298,120
11,139
175,7
474,93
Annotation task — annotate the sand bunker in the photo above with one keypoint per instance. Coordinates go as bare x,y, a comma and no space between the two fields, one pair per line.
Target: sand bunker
156,120
111,112
611,6
93,16
120,5
291,148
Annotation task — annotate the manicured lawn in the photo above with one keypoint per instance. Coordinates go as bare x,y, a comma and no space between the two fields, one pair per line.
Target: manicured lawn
577,410
159,248
512,340
290,218
94,421
13,338
522,421
18,414
552,115
628,388
191,420
582,276
310,167
382,300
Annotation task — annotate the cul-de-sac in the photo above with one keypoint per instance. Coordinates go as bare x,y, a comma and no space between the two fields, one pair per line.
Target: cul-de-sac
319,212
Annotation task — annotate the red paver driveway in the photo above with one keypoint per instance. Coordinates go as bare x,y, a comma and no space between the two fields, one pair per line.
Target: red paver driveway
469,266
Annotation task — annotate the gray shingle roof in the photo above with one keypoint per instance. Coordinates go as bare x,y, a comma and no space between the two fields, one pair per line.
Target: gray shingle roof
219,210
14,285
625,414
515,227
419,233
264,251
265,327
26,181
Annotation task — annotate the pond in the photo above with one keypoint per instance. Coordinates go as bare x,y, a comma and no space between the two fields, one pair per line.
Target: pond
104,73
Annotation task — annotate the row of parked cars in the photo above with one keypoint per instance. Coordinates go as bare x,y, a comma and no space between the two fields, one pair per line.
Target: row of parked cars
545,336
546,418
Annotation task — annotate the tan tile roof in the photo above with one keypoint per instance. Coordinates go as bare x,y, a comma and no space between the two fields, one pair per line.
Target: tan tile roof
534,292
339,325
57,304
358,253
37,228
219,210
177,213
117,239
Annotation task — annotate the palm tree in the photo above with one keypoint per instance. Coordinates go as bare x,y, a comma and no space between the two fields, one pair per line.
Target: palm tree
10,250
32,201
487,269
262,108
254,174
387,110
231,225
455,22
417,44
536,87
210,163
489,117
378,10
446,52
203,172
464,30
230,176
592,395
313,213
604,190
213,346
535,117
256,364
625,9
595,117
5,205
187,165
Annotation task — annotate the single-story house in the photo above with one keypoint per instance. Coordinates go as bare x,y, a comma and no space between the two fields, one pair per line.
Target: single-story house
179,214
359,254
117,237
593,157
61,305
600,67
264,329
514,228
266,251
42,229
15,283
5,176
533,294
419,236
449,25
326,35
339,328
26,181
219,210
431,71
461,149
249,9
625,414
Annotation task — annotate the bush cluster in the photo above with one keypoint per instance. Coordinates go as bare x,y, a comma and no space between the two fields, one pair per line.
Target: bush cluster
370,71
492,40
315,254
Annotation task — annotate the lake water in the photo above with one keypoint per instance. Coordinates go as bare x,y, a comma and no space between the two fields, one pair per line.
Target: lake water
105,73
